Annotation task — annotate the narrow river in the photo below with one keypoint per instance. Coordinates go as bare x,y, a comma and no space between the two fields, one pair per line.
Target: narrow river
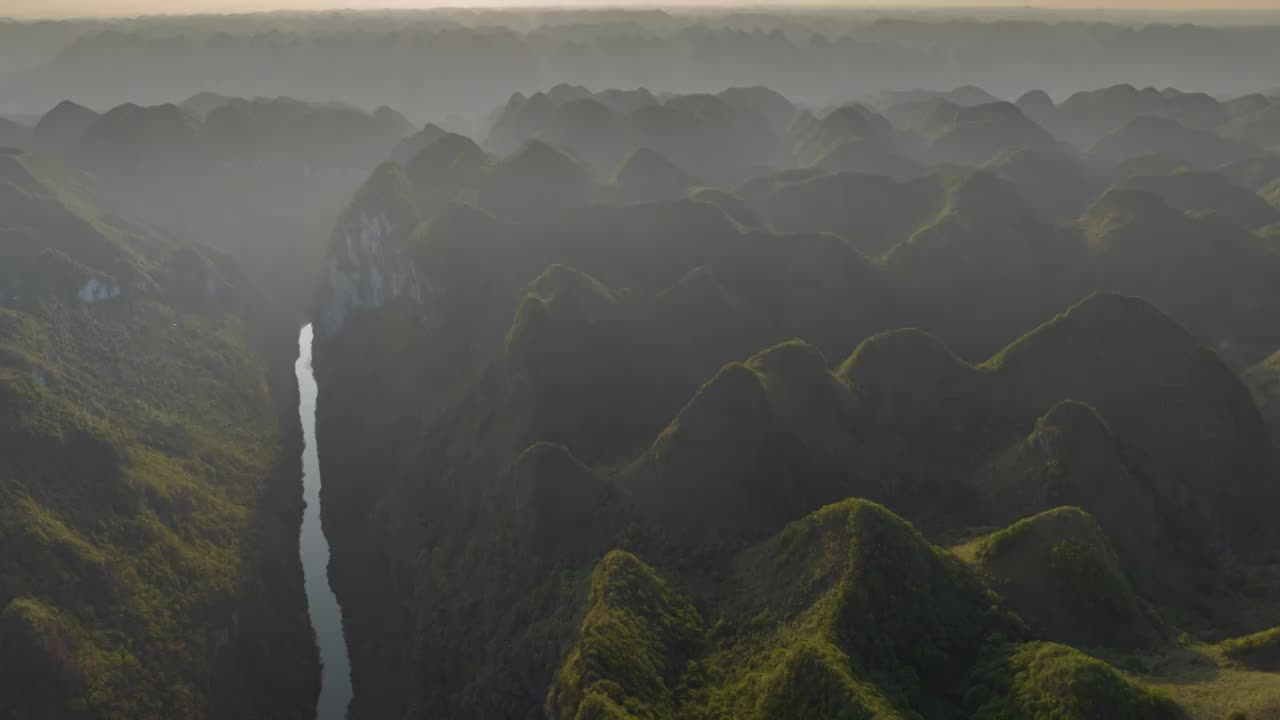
335,690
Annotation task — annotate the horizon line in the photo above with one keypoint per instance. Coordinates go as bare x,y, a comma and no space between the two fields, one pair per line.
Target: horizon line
910,6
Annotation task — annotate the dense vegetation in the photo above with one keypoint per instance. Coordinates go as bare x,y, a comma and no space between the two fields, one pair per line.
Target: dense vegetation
148,485
617,485
821,399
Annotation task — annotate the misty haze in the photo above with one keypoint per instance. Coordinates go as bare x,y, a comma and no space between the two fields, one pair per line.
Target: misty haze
709,362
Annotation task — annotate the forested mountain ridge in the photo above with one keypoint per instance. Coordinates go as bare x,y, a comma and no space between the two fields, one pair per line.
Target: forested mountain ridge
148,486
699,364
260,179
616,486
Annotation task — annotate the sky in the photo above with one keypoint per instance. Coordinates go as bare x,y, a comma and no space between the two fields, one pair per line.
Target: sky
67,8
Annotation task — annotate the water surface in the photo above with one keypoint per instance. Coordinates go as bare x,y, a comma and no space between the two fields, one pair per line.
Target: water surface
335,690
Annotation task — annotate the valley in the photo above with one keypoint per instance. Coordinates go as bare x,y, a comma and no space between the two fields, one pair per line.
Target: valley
703,387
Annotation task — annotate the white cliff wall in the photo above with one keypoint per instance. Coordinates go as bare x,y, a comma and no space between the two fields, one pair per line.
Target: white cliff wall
368,268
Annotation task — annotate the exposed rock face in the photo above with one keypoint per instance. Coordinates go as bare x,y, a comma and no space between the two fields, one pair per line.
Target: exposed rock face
96,290
370,263
375,268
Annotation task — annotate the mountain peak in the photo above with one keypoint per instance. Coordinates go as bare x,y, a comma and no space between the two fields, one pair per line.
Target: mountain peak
647,174
902,357
559,499
1060,574
1123,356
448,160
1036,104
66,123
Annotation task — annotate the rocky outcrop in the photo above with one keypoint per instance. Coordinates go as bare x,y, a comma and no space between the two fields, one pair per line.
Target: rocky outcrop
95,290
369,263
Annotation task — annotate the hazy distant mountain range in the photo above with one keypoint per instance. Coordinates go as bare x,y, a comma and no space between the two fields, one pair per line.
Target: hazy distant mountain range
433,64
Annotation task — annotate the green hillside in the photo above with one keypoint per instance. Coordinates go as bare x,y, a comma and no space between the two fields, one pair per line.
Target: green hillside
148,492
661,363
1059,573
